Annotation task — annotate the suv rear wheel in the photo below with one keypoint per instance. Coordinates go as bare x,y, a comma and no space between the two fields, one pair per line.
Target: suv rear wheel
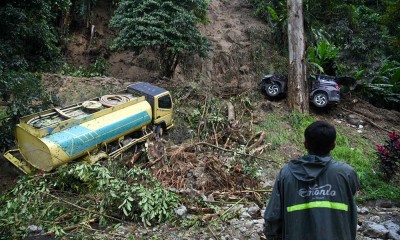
320,99
272,89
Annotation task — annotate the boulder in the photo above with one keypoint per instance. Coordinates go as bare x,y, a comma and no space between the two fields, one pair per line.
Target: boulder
374,230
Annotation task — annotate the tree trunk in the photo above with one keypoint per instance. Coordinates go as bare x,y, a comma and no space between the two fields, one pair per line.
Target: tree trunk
297,85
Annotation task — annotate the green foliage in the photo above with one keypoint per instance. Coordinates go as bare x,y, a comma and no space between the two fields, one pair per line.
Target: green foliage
28,38
99,68
384,90
274,13
391,19
25,95
322,56
389,157
352,149
46,201
359,153
168,26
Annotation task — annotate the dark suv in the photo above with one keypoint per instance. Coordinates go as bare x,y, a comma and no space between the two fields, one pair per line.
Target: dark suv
323,89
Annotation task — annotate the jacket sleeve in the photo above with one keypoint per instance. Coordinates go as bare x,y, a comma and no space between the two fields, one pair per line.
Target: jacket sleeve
273,214
354,182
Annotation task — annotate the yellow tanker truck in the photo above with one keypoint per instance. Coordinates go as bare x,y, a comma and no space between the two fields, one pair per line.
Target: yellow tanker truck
54,137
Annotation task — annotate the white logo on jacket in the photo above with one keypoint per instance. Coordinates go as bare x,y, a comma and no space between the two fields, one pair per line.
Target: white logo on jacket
316,191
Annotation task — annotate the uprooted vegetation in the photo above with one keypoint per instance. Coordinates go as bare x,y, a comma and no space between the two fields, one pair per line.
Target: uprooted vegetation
220,153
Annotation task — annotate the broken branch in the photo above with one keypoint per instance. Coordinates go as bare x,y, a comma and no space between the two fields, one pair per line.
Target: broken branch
227,150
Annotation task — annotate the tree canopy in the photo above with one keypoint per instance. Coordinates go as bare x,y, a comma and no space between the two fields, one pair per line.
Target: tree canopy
169,26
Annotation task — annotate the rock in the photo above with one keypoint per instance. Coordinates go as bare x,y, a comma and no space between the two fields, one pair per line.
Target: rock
354,120
362,210
254,211
374,219
393,235
262,212
242,229
249,224
234,222
180,211
393,229
384,203
374,230
33,229
259,221
245,215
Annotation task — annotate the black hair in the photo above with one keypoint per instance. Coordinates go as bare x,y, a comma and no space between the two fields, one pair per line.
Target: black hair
320,138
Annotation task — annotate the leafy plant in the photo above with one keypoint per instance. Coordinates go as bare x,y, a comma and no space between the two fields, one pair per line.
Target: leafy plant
78,193
322,56
389,156
99,68
28,39
168,26
384,90
24,93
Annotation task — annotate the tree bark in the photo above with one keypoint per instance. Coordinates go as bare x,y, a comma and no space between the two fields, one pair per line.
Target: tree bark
297,85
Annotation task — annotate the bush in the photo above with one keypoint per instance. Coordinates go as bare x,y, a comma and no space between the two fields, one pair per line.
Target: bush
24,94
79,192
389,156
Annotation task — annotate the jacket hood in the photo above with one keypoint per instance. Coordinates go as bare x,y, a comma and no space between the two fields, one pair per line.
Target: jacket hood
309,167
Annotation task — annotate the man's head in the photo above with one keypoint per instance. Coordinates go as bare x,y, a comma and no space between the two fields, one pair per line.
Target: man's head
320,138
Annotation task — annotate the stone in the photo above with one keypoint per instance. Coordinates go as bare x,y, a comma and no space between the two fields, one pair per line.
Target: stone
249,224
180,211
393,229
384,204
263,211
254,211
242,229
259,221
245,215
374,230
393,235
33,229
375,219
362,210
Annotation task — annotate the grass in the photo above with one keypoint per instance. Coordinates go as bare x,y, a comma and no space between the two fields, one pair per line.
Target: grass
350,148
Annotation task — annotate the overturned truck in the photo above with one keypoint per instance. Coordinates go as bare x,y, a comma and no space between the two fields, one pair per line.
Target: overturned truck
54,137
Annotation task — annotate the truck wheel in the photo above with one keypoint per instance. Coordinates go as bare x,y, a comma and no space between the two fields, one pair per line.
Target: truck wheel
159,131
320,99
272,89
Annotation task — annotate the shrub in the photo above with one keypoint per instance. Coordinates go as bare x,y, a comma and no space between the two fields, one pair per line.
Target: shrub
79,192
389,156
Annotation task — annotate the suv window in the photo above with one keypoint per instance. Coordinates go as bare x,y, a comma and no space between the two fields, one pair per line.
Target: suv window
165,102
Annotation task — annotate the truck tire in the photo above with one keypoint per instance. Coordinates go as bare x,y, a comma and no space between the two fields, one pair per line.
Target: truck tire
159,131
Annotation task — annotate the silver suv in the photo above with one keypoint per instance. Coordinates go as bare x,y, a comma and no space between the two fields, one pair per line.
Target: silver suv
323,89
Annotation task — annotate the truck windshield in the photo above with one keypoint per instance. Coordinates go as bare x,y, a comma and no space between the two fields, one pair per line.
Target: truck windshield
165,102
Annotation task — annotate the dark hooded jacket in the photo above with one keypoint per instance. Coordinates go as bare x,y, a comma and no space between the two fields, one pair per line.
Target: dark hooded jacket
313,199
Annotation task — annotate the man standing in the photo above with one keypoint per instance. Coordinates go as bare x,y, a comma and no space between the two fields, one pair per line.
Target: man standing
312,198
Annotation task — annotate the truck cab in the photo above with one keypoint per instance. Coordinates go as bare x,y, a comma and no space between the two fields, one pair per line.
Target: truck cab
160,101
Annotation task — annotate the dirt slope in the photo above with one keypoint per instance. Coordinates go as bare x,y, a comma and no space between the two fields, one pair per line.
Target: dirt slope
228,30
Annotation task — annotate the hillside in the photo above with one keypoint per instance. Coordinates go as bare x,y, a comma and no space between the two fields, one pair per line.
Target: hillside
223,172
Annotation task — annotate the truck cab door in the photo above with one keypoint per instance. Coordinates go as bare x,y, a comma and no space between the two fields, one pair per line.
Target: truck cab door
163,110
